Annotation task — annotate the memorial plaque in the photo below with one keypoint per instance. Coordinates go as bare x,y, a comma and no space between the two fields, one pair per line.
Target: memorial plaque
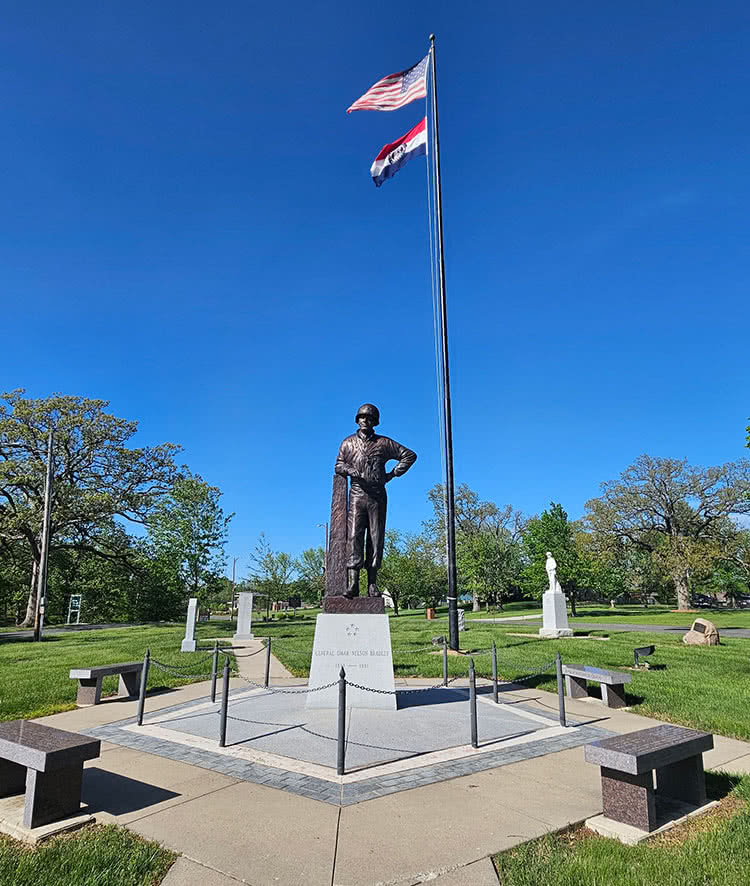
361,644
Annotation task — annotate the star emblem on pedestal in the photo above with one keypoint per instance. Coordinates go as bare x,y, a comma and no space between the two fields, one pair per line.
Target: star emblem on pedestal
352,630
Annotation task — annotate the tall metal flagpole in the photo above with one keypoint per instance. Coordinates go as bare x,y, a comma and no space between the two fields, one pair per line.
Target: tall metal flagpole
450,510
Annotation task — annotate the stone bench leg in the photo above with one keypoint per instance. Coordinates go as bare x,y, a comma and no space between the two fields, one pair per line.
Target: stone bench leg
12,778
89,691
576,687
51,796
629,798
684,780
130,684
614,696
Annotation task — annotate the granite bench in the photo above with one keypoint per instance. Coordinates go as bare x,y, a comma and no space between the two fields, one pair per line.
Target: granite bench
612,683
47,764
628,764
90,681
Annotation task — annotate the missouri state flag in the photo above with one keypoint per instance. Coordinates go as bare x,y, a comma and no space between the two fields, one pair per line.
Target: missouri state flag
392,157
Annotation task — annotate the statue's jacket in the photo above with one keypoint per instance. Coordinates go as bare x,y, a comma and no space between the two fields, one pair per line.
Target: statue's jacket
363,458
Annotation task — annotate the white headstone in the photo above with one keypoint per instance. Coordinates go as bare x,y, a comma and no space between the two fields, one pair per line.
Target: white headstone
461,620
188,644
244,616
554,606
361,644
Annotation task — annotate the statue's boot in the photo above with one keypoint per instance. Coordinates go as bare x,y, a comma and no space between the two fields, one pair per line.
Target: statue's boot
352,583
372,583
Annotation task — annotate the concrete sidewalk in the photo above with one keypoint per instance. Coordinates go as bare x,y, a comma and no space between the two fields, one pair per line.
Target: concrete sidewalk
229,830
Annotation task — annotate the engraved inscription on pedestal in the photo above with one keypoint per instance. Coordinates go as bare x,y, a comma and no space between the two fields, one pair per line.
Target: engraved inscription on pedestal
361,644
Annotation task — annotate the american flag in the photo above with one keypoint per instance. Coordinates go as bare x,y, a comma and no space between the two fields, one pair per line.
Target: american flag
395,90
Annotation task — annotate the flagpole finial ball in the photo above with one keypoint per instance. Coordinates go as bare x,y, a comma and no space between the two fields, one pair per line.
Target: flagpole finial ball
432,38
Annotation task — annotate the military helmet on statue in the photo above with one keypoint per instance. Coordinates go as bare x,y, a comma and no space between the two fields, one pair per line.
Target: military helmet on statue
369,409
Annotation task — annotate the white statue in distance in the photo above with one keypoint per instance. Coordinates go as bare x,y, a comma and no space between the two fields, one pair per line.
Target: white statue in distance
554,605
551,567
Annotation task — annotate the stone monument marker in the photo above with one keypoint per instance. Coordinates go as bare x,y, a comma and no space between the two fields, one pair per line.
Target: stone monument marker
554,605
188,644
244,616
353,631
702,633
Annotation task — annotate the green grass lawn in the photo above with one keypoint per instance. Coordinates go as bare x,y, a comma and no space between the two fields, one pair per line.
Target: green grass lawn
34,676
711,849
99,856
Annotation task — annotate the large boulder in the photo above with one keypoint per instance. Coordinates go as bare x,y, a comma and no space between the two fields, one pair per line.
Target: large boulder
702,633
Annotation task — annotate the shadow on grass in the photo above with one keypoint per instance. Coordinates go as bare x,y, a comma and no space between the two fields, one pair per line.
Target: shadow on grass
719,784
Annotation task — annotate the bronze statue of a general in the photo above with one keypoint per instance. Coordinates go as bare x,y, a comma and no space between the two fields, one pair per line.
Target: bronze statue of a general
362,458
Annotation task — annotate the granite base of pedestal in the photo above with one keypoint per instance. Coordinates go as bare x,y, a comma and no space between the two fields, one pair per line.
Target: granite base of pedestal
554,616
187,646
668,817
361,644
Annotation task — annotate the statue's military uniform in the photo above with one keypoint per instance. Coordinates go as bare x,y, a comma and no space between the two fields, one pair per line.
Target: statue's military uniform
362,457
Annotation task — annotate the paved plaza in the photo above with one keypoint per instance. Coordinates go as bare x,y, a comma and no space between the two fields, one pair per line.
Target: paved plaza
272,739
241,817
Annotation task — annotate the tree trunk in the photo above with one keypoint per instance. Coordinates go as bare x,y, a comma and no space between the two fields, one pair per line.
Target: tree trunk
682,585
572,598
28,621
475,606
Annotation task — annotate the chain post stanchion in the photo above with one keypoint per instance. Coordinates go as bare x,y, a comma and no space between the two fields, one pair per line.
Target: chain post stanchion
560,689
214,670
144,680
473,703
494,672
224,705
341,742
268,663
445,661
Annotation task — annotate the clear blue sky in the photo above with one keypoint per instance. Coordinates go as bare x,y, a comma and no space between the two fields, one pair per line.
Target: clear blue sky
189,231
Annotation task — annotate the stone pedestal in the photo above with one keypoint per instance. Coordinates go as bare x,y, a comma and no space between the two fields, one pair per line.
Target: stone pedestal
554,615
361,644
188,644
244,616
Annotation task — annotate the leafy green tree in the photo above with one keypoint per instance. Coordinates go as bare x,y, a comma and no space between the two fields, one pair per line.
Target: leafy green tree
97,478
409,571
272,572
675,511
310,567
188,531
487,542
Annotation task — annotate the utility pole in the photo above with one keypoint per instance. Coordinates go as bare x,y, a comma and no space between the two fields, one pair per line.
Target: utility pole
231,605
41,589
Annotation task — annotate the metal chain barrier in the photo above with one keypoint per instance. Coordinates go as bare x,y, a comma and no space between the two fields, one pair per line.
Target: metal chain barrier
173,669
299,691
247,655
396,691
532,674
